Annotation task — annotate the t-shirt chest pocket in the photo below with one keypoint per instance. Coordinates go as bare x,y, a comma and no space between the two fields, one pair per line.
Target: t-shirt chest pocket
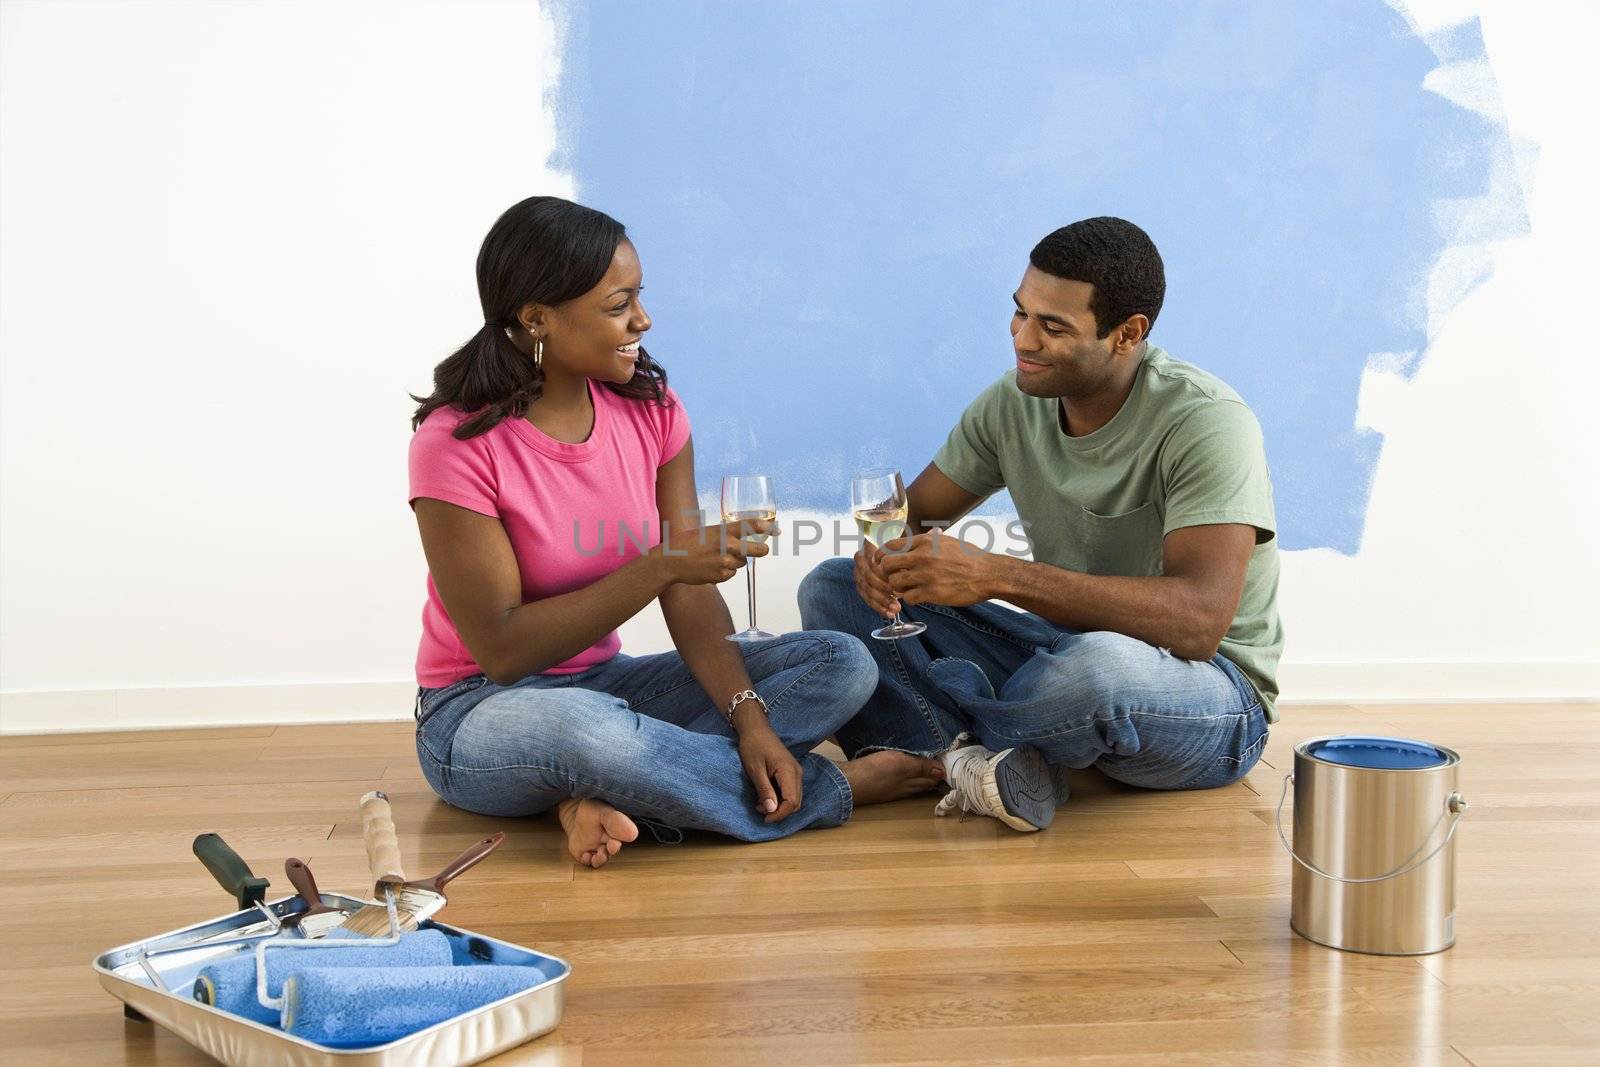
1127,544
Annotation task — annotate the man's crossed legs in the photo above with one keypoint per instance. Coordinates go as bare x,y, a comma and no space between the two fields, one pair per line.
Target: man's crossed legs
1035,699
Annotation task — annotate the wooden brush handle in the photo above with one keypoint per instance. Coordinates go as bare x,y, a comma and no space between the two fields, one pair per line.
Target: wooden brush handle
464,862
300,877
383,847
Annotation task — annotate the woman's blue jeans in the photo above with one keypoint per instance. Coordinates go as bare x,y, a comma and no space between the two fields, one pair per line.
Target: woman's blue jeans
1134,711
640,734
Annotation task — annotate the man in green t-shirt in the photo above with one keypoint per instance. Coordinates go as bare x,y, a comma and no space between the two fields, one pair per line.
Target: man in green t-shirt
1149,638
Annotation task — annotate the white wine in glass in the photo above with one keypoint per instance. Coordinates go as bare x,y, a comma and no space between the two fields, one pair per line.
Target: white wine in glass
878,502
745,499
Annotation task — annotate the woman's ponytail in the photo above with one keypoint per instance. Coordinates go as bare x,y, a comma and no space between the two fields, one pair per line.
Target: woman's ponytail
488,375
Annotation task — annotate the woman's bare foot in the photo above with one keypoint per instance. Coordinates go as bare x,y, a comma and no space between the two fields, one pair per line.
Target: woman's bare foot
881,776
595,830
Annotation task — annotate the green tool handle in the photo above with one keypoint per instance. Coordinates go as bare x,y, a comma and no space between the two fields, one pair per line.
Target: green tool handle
231,872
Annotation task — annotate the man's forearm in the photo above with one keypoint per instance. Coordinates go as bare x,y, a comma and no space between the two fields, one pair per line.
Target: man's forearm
1169,613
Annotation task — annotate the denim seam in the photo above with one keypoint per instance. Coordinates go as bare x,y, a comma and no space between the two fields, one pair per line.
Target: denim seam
1253,749
424,713
974,624
1247,689
422,744
847,800
692,681
576,780
1032,737
904,675
1192,718
1250,749
827,661
661,693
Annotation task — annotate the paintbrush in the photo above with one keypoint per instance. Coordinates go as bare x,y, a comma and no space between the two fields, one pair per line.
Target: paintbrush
414,901
318,918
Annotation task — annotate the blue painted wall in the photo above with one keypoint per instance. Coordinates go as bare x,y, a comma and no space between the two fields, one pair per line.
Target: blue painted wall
834,202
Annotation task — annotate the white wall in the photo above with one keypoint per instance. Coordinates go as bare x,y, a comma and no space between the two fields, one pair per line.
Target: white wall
233,236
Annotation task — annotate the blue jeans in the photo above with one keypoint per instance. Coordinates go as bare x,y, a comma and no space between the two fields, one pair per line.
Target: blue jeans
640,734
1009,678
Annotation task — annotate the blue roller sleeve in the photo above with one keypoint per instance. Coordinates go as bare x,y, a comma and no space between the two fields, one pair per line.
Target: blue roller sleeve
231,984
1378,753
349,1009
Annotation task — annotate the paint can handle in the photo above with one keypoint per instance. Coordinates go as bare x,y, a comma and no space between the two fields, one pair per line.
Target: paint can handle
1454,805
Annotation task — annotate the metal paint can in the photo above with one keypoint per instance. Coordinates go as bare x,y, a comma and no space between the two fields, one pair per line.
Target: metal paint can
1375,822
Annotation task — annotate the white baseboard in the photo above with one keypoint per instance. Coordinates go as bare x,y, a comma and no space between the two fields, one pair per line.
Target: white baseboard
1401,682
237,705
285,705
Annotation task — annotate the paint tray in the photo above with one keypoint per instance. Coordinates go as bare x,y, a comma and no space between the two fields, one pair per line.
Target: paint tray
156,985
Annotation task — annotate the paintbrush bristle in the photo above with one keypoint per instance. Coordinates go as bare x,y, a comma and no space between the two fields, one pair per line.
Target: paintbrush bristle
324,922
373,919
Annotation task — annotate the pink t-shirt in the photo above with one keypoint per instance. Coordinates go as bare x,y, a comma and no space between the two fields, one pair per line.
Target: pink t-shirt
573,512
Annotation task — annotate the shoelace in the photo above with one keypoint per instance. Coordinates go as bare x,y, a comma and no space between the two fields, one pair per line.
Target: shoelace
966,783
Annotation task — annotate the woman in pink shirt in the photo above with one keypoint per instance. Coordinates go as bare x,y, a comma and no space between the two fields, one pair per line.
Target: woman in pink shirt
552,477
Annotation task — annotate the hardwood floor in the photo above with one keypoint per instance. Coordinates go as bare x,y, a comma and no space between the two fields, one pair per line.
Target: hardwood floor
1142,928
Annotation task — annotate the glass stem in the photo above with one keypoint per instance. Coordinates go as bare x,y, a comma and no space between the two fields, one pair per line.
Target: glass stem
750,583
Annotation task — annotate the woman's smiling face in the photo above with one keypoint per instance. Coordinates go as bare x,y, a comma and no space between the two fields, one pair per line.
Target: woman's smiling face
597,334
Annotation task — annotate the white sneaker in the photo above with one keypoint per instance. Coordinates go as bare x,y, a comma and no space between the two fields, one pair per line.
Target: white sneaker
1014,786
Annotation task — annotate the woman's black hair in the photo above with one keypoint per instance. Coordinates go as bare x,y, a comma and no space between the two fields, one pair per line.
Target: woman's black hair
544,250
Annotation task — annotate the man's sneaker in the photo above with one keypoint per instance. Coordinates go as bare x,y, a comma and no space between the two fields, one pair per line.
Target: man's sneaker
1014,786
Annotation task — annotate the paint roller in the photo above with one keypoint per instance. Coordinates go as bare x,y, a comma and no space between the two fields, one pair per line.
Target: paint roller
358,995
231,984
346,1008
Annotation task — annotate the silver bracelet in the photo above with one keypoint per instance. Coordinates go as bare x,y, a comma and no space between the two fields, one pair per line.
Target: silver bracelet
740,698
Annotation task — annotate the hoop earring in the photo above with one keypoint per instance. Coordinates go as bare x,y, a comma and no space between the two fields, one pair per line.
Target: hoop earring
538,351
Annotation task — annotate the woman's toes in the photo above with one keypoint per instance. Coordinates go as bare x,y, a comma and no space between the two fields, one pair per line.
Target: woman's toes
596,831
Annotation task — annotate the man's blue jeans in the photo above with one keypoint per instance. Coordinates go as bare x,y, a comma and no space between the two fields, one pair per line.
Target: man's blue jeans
640,734
1009,678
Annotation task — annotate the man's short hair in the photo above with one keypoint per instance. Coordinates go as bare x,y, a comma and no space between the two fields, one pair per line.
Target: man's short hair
1114,256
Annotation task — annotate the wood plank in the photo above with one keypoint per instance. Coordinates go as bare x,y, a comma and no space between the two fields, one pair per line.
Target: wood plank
1144,927
1016,959
1529,1055
185,810
167,770
77,739
1265,1043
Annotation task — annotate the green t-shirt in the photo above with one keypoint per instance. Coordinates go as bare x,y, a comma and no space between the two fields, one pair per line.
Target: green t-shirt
1184,450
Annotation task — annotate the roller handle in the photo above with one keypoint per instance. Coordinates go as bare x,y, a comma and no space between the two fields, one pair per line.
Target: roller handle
463,863
300,877
383,847
231,872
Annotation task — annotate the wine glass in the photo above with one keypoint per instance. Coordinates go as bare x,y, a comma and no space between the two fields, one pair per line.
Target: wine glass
748,498
878,502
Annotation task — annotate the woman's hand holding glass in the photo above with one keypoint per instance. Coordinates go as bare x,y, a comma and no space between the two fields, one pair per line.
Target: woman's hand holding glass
708,555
